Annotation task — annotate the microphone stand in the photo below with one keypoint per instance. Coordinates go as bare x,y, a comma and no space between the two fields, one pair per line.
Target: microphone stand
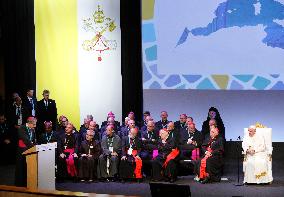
238,160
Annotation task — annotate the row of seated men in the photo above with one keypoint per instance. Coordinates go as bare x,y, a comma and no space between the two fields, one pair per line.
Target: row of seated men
124,157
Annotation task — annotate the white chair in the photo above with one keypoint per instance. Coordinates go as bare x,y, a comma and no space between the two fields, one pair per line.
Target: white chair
267,177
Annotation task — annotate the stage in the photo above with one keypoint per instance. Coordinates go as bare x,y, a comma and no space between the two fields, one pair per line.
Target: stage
224,188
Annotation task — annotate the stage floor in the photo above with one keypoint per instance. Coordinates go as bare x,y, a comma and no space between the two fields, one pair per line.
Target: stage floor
224,188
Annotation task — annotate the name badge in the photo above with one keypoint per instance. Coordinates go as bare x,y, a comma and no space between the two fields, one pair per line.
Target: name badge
91,147
129,152
110,149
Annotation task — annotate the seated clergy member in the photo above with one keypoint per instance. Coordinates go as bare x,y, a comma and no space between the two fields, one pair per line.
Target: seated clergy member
149,141
189,140
110,121
131,164
161,124
84,127
124,128
256,160
145,122
110,114
149,146
62,120
92,126
67,148
131,124
26,140
109,159
209,168
164,165
173,132
49,135
182,122
89,153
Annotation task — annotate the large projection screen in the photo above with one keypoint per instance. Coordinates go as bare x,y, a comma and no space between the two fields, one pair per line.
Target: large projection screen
223,53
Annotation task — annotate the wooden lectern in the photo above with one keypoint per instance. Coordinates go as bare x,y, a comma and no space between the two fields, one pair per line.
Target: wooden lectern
41,166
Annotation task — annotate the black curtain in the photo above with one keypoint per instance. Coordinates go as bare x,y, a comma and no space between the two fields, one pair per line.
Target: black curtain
18,45
18,34
131,58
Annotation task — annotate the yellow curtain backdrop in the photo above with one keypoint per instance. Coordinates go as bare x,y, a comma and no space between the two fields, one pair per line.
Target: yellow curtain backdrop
56,37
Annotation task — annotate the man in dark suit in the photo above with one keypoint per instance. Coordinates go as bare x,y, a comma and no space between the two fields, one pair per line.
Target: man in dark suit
17,114
30,103
173,132
181,124
161,124
47,110
26,140
189,140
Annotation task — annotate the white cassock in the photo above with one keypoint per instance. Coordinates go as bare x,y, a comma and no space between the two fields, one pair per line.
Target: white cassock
255,166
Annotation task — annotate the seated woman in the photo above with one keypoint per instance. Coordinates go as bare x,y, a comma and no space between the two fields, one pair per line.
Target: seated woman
131,164
256,159
89,153
209,168
164,165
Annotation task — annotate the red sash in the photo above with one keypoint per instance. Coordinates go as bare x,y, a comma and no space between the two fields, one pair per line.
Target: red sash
171,156
202,170
138,167
71,169
21,144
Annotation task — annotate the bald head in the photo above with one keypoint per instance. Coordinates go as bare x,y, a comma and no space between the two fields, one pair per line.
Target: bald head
133,132
164,134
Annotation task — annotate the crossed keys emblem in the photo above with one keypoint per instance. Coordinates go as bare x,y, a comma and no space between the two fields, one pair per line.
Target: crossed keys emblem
99,24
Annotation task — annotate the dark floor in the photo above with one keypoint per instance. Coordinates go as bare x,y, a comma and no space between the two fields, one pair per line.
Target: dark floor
224,188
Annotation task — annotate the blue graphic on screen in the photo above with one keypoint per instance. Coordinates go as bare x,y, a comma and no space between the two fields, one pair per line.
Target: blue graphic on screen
200,44
241,13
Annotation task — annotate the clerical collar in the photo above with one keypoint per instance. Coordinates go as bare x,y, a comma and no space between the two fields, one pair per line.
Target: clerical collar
191,133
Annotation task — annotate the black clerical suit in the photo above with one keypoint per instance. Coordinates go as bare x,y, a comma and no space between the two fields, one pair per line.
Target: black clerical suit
169,171
186,149
68,145
161,124
214,164
127,166
26,140
89,153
